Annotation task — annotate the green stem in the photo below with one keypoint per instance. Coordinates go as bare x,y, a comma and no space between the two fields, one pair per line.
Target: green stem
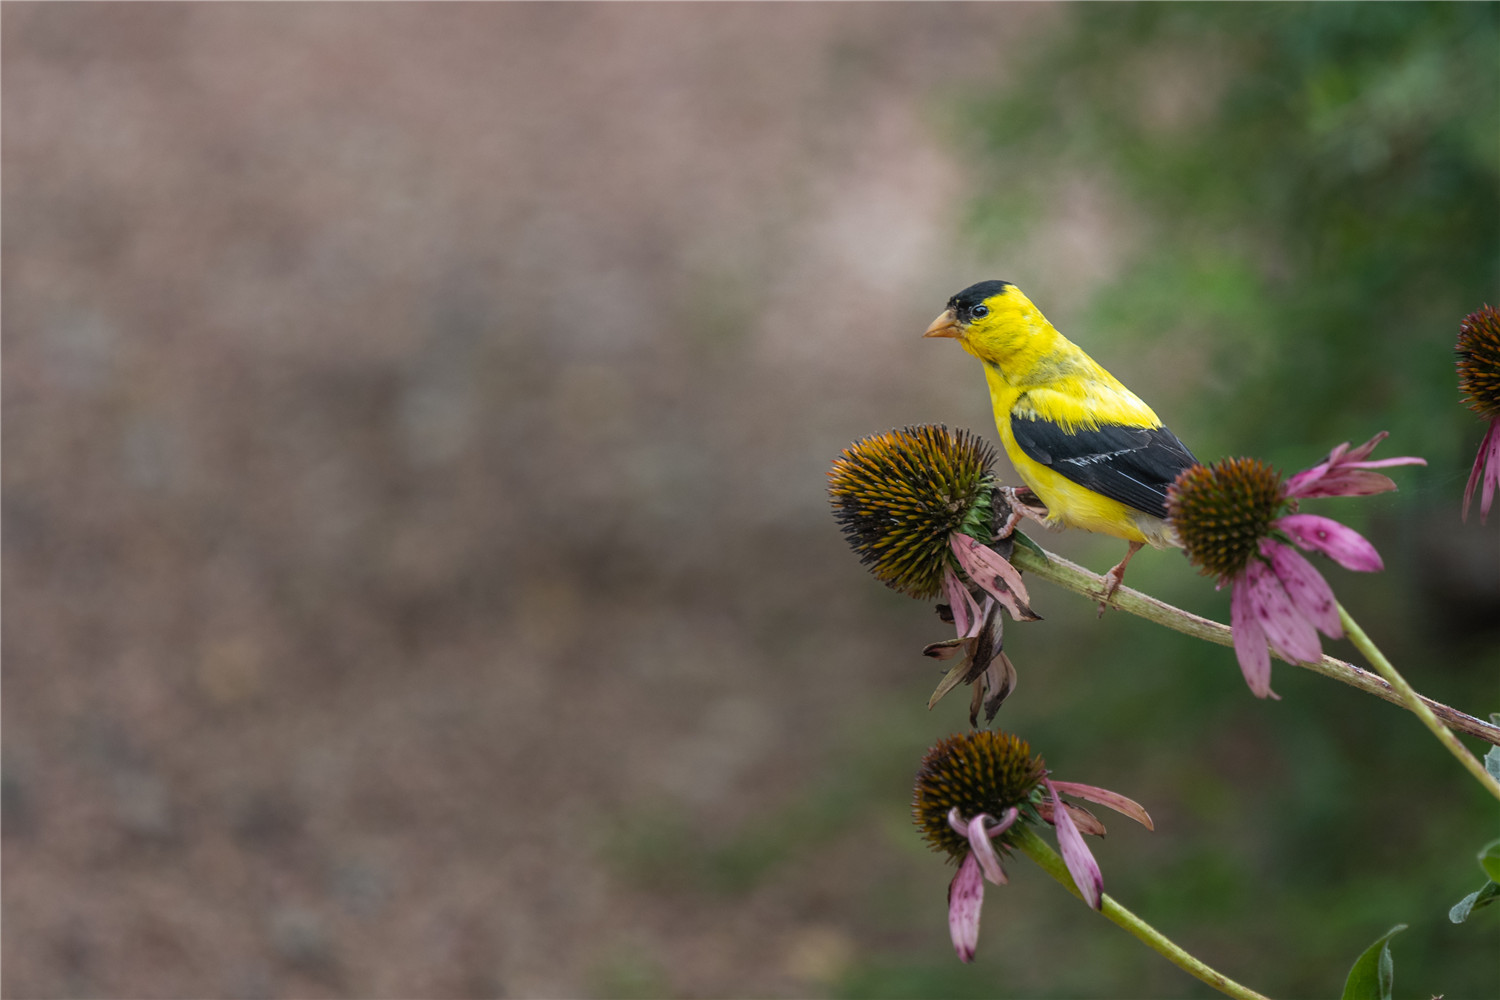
1071,576
1049,861
1414,702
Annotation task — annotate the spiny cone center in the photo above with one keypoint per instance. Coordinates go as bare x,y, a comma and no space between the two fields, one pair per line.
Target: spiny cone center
899,495
980,772
1479,361
1222,511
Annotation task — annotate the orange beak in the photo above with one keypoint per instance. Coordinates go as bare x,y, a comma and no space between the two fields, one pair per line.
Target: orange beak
945,325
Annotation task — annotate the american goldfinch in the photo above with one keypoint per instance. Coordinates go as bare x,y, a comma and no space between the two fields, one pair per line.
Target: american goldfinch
1088,447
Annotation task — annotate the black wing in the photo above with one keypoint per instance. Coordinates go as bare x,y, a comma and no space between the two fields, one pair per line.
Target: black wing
1133,465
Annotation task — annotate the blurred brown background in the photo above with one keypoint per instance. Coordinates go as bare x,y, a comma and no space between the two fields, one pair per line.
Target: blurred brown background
418,574
415,424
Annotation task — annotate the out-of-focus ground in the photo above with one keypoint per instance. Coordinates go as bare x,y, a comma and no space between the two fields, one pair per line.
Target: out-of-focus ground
418,576
415,428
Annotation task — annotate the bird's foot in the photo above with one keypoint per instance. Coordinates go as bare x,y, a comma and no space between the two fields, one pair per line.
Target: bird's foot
1024,505
1115,576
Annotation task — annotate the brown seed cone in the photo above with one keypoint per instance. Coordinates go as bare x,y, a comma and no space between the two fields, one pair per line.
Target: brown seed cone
1222,511
981,772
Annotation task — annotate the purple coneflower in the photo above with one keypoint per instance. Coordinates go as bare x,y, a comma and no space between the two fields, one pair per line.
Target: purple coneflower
1235,519
919,506
975,791
1479,378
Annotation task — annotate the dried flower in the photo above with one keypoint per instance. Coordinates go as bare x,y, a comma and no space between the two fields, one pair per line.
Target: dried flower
921,508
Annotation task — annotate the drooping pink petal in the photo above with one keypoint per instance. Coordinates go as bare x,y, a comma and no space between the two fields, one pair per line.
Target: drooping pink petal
1006,822
1086,821
960,825
1289,633
960,602
1104,797
994,574
1249,640
1342,544
1305,586
1486,468
1344,473
1076,855
1491,475
981,848
986,833
957,823
965,898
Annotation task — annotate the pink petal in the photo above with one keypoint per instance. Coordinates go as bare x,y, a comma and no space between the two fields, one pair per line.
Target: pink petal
1105,797
1076,855
1357,454
1340,483
1086,821
995,574
1341,474
1343,545
1487,468
959,601
1289,633
1305,586
1491,475
1305,481
965,897
979,841
1006,822
1249,640
1386,463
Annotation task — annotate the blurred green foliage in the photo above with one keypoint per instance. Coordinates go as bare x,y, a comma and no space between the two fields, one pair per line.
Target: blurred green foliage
1318,188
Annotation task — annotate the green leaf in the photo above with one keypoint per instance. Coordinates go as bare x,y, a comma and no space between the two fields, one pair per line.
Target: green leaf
1489,860
1475,900
1373,972
1492,762
1025,542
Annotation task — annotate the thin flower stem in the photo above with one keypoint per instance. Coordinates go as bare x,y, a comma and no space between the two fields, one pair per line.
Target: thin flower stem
1414,702
1071,576
1047,859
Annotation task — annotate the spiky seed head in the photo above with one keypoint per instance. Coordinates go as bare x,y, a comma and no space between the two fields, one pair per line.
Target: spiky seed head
1479,361
899,495
1222,511
979,772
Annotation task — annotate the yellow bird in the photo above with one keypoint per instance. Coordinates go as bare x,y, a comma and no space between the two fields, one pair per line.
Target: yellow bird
1088,447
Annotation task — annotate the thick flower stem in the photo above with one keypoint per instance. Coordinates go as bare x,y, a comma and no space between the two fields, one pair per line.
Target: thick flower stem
1071,576
1414,702
1049,861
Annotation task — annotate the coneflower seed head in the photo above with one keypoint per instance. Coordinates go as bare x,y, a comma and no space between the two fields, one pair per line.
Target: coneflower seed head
899,495
978,772
1479,361
1222,511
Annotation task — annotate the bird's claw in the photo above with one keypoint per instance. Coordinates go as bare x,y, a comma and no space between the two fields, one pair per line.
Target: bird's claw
1115,576
1024,505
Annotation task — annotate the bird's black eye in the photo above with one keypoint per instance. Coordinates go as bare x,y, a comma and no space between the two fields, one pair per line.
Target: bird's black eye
979,311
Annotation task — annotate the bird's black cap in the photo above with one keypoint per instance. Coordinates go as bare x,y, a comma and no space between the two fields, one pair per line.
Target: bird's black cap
964,302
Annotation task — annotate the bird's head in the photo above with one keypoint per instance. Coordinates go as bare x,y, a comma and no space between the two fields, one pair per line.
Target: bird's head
992,320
